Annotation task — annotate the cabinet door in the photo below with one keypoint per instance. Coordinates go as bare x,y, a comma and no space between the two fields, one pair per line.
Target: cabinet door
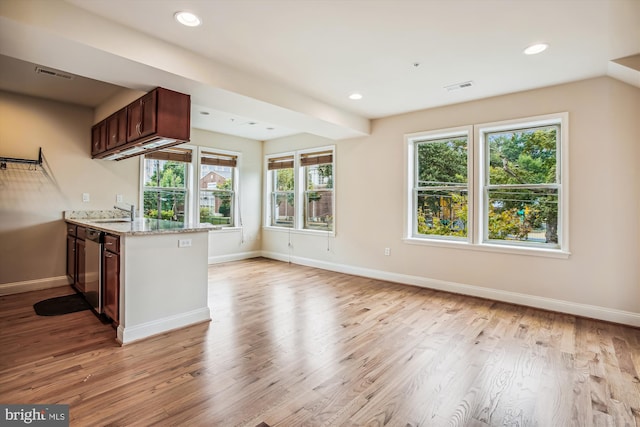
71,258
98,138
117,129
80,257
141,117
111,280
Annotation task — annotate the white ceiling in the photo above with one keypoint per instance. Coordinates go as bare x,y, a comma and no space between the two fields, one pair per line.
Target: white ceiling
289,65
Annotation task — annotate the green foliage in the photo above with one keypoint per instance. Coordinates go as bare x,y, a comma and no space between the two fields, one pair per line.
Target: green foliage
167,174
525,157
208,216
153,213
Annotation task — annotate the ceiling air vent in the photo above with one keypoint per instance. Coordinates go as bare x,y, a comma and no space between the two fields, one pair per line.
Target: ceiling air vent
459,86
53,73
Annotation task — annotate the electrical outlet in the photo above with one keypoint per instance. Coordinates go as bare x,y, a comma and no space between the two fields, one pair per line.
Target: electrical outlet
387,251
184,243
119,198
86,197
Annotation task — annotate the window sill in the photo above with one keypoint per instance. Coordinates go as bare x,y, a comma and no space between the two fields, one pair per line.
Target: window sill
488,247
225,229
299,231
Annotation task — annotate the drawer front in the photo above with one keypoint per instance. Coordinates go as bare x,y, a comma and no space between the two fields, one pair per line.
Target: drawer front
112,243
71,229
80,233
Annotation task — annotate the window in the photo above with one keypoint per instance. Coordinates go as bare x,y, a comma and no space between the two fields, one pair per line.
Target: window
318,193
282,200
300,190
217,188
521,185
503,186
165,184
441,185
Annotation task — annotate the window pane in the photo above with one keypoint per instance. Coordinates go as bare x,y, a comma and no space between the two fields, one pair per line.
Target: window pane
318,203
319,210
283,179
283,208
216,195
442,162
521,214
319,176
442,213
164,204
216,207
523,156
164,173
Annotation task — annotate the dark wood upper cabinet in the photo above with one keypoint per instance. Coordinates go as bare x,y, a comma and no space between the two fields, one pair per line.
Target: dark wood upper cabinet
142,117
117,129
159,119
160,113
99,138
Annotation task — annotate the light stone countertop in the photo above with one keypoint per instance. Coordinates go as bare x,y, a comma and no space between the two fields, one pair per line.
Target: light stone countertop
115,223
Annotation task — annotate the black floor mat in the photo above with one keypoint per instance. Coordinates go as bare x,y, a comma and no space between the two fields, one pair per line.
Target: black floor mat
61,305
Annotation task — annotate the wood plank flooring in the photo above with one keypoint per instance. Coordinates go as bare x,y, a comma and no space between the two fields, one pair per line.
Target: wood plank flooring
296,346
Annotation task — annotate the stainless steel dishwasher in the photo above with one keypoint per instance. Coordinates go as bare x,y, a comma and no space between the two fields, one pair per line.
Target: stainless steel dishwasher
93,269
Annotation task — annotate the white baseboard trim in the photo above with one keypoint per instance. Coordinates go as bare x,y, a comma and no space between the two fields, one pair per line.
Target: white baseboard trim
32,285
234,257
126,335
568,307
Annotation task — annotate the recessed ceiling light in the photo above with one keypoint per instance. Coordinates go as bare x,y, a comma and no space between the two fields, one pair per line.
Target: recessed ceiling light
204,113
355,96
536,48
187,18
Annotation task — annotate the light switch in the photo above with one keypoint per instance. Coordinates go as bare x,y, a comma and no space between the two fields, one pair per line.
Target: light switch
86,197
119,198
184,243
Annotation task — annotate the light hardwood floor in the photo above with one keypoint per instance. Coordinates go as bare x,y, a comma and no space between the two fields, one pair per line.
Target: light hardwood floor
293,346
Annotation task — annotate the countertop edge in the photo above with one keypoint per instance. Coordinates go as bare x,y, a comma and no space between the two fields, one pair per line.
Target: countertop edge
118,229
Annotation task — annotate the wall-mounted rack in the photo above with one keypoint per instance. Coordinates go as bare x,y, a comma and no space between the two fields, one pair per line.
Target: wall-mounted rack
13,169
9,160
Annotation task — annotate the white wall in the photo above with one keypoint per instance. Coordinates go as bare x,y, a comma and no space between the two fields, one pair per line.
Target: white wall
225,245
32,233
600,278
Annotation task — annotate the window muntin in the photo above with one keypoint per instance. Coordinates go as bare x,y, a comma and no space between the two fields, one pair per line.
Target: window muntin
441,189
522,186
165,184
283,204
216,185
318,193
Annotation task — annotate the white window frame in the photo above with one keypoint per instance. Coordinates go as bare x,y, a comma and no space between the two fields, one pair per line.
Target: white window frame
189,173
410,220
237,218
478,164
299,190
192,197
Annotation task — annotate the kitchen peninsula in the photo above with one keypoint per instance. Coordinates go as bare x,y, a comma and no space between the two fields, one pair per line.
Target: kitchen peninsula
161,274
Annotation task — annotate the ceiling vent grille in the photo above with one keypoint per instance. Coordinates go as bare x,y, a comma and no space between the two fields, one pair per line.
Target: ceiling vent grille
458,86
53,73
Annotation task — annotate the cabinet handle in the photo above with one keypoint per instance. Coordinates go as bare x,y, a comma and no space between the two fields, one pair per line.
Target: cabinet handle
108,255
138,128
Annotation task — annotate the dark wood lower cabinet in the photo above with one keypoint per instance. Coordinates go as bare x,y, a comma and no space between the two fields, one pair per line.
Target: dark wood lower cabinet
111,278
80,269
71,258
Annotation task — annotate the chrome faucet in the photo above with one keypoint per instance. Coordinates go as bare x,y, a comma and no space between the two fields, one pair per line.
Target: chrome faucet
131,211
